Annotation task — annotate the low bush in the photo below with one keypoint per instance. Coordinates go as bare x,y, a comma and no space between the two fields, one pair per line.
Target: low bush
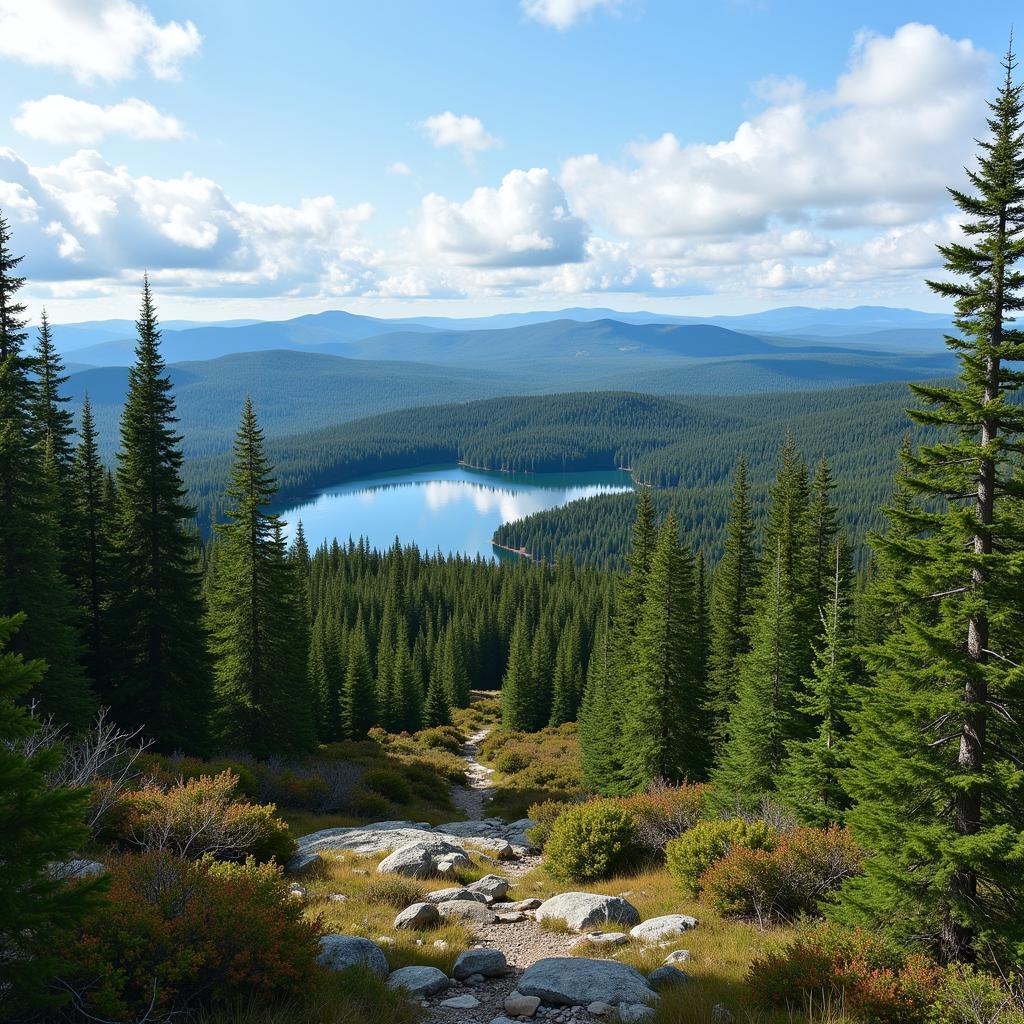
544,814
200,816
365,804
443,737
511,761
666,811
690,855
174,935
590,842
393,891
803,867
873,981
388,783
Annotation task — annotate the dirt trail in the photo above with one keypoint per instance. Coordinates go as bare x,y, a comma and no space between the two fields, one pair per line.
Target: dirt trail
472,797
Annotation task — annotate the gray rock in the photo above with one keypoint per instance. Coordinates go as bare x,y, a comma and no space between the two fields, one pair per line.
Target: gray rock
339,952
446,868
420,859
456,893
302,862
598,1008
490,963
504,850
512,918
298,892
605,938
635,1013
573,981
466,910
721,1014
678,956
475,979
531,904
502,1020
663,929
461,1002
663,978
518,1005
419,981
494,887
418,915
338,897
582,910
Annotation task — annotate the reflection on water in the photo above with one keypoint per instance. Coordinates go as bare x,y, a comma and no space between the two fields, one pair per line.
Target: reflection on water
450,509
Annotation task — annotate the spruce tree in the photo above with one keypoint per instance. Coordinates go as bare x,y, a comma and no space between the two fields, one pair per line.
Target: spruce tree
262,702
517,704
358,700
935,754
30,577
663,727
40,824
52,417
732,596
435,707
163,672
567,686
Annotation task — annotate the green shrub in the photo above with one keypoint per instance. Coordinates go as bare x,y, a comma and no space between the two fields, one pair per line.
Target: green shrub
443,737
545,815
707,842
365,804
511,761
969,997
394,891
873,982
589,842
804,867
388,783
174,935
200,816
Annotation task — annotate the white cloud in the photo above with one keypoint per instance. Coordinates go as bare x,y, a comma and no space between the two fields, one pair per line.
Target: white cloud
466,133
524,222
94,39
65,120
399,167
563,14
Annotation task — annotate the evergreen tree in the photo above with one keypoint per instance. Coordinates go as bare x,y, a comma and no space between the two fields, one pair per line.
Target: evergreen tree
52,417
732,595
358,700
30,578
262,702
567,686
517,704
163,672
823,529
663,730
542,669
935,754
40,824
761,718
435,707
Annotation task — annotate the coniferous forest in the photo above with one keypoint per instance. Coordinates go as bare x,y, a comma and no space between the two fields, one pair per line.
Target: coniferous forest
795,645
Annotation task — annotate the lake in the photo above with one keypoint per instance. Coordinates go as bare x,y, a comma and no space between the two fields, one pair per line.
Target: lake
451,509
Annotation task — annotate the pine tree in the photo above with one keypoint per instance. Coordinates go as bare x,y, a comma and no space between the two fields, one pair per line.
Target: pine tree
732,596
542,669
663,729
163,672
935,754
358,700
435,707
39,824
517,705
568,680
262,702
761,718
822,529
30,578
52,417
810,780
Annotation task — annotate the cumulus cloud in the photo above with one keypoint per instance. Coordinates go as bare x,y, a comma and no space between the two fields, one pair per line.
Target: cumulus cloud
526,221
563,14
65,120
95,39
399,167
465,133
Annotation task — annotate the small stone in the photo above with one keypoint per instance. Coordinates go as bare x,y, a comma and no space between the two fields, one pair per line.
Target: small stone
476,962
297,892
304,862
677,956
466,910
635,1013
503,850
419,915
475,979
338,897
339,952
663,929
385,940
667,977
721,1014
461,1002
531,904
599,1009
440,944
418,981
493,886
519,1005
605,938
509,918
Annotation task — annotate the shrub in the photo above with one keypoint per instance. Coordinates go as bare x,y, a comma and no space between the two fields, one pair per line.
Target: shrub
393,891
971,997
875,982
443,737
804,866
173,935
365,804
511,761
589,842
665,812
388,783
544,814
690,855
201,816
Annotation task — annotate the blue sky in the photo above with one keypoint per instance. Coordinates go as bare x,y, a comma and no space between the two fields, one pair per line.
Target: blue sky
466,157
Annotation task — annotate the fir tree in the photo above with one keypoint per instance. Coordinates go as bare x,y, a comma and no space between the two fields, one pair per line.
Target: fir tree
40,824
935,755
163,672
52,417
358,703
517,704
732,595
30,578
567,686
262,703
435,707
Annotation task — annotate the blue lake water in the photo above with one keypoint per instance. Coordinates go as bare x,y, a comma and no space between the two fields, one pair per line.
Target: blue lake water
451,509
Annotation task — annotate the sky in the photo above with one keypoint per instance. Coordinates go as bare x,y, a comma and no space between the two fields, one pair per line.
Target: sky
462,157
